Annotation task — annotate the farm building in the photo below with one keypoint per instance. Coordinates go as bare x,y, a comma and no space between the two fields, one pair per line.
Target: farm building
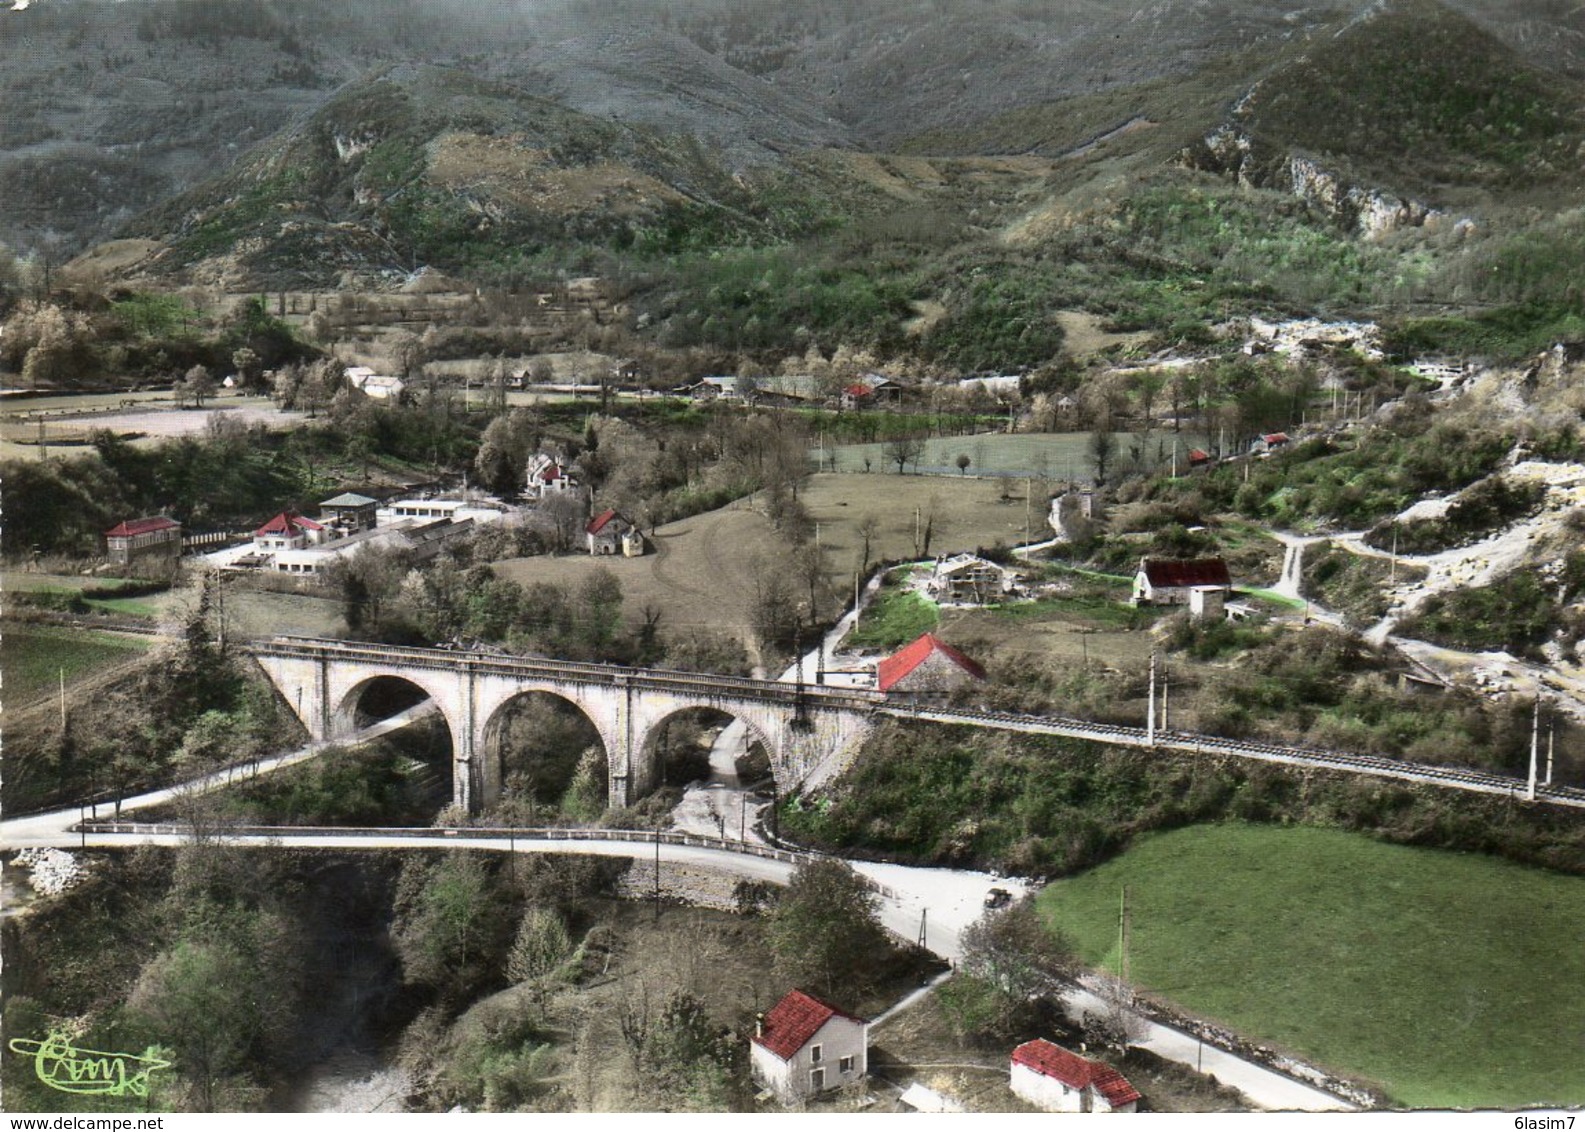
1174,581
1055,1080
154,537
929,667
805,1046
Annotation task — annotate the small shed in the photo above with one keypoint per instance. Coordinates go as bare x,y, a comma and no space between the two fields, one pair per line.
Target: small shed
806,1045
1055,1080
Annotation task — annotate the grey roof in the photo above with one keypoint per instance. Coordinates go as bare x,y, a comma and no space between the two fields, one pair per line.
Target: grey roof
349,499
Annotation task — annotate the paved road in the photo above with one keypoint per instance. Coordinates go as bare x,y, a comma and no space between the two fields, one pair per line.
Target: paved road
931,905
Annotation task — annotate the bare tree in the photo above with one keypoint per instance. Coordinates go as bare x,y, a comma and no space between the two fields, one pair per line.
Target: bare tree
904,450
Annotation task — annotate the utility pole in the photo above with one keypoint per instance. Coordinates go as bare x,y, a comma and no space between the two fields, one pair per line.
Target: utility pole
1122,947
1150,713
1166,685
923,915
1535,738
63,701
1551,734
1392,576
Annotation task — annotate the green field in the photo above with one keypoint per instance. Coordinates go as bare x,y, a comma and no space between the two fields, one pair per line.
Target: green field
1045,455
33,658
1450,980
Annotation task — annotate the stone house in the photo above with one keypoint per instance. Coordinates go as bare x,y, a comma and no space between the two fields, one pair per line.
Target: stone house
805,1046
1052,1079
929,668
613,533
153,538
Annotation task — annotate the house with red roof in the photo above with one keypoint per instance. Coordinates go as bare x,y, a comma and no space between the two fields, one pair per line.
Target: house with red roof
155,536
547,476
805,1045
1202,584
611,532
1055,1080
929,667
289,531
1271,441
1199,458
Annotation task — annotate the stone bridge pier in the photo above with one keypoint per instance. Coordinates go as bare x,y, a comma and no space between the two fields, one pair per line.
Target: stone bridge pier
810,734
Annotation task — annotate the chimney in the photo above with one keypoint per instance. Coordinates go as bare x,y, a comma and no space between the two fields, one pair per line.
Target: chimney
759,1024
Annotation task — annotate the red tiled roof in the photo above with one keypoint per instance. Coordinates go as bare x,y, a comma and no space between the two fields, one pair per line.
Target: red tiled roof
288,523
133,527
1198,456
1075,1072
597,524
550,473
1187,572
1275,438
794,1020
901,663
859,390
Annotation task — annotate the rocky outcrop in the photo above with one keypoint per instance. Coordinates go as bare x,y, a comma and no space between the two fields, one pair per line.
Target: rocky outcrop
1372,213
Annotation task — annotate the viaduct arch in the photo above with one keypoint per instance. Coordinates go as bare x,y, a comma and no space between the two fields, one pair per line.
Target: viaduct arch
810,733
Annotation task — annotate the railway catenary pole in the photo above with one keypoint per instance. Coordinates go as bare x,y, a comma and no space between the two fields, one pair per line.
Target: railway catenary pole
1535,744
1150,711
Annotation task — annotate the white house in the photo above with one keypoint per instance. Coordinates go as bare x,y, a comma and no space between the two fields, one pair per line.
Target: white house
289,531
1173,581
547,476
456,510
967,579
373,384
804,1046
1052,1079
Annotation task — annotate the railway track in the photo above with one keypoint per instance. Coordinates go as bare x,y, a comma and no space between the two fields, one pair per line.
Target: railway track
1460,778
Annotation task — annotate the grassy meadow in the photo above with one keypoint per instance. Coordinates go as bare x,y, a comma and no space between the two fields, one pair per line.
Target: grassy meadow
1450,980
32,658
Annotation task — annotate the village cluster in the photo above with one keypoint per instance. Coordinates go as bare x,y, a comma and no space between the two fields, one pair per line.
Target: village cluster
805,1046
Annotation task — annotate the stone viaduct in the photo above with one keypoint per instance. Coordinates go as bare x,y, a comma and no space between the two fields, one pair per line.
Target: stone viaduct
809,732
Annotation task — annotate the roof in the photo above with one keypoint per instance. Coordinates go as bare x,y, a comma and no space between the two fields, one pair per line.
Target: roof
1172,572
859,389
349,499
550,473
1275,438
288,523
1075,1072
598,523
794,1020
901,663
133,527
1198,455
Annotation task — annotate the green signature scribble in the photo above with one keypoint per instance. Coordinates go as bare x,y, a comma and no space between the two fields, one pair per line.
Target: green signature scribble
63,1066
